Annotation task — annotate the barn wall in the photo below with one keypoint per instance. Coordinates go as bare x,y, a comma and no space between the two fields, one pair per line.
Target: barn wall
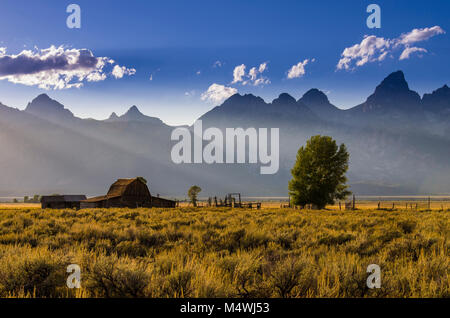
162,203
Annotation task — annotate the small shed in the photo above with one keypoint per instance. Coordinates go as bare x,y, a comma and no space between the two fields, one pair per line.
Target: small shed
158,202
127,193
62,201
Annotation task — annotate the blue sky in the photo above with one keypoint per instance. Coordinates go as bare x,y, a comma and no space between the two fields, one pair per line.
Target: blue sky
177,43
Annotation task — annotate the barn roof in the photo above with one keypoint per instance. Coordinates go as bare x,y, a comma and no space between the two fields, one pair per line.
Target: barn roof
161,199
100,198
118,188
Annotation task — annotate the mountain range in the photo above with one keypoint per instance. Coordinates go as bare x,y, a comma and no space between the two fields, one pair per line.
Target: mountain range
399,144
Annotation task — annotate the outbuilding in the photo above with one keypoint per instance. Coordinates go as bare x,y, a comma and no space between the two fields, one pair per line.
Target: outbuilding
62,201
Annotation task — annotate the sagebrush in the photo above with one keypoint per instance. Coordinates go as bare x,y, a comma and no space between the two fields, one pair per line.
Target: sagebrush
190,252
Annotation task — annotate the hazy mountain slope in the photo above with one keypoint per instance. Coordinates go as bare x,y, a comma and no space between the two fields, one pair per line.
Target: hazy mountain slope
388,136
43,157
397,142
318,102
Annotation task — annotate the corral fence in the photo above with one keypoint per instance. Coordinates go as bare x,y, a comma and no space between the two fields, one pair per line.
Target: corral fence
387,203
410,203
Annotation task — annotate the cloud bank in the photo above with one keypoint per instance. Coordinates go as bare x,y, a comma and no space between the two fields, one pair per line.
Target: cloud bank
217,93
58,67
373,48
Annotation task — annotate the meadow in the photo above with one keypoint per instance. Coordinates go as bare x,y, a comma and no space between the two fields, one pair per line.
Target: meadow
206,252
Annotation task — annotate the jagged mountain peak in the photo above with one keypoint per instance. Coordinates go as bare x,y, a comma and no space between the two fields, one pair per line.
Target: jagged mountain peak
134,110
393,95
394,82
133,114
318,103
442,91
113,116
284,98
44,101
315,95
42,97
240,99
438,101
45,107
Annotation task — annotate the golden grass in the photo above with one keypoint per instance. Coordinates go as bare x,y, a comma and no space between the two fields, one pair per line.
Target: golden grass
19,205
189,252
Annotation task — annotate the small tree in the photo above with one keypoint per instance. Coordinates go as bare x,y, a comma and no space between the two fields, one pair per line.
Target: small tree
318,176
193,193
25,199
142,179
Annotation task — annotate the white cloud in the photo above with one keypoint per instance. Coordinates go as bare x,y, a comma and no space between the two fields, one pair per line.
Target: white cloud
238,73
217,93
198,72
55,67
120,71
376,49
419,35
298,70
262,67
370,49
253,73
254,76
96,77
409,50
151,77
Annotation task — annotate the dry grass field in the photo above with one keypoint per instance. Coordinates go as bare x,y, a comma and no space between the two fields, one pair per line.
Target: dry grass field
19,205
189,252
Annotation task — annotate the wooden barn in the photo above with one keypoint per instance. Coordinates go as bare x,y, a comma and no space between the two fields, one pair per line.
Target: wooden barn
128,193
62,201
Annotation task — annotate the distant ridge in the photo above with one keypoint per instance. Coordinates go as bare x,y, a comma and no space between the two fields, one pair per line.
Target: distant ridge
392,95
45,107
318,102
438,101
133,114
398,142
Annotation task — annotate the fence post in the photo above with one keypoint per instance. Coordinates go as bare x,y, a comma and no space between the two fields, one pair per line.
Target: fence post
429,203
353,202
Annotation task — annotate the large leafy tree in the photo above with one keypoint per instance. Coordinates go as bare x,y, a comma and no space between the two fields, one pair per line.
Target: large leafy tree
193,193
318,176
